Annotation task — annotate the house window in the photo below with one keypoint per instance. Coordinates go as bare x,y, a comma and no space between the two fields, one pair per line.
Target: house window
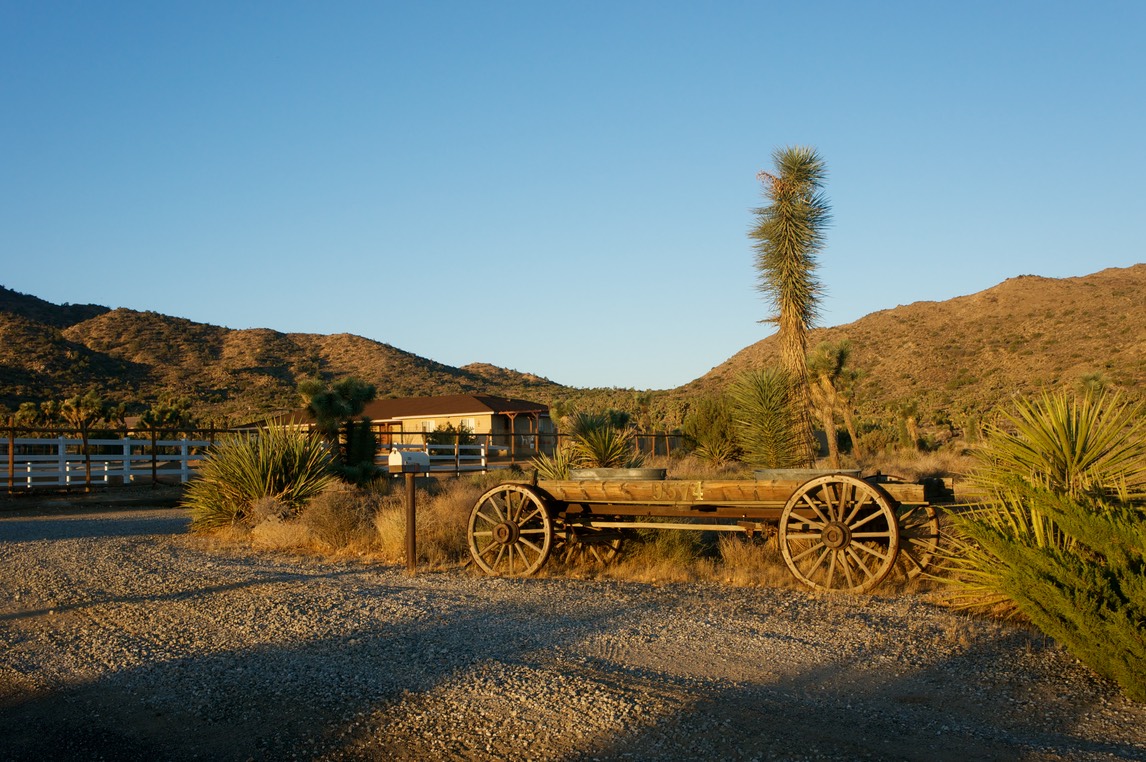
428,426
469,424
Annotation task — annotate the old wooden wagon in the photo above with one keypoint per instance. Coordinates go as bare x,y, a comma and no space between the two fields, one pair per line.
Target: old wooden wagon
836,531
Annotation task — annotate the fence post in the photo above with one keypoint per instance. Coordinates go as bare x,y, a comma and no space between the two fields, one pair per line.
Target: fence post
154,459
184,462
11,453
126,459
64,476
411,526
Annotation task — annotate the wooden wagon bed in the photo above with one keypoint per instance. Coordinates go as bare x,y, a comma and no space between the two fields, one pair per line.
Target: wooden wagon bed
836,532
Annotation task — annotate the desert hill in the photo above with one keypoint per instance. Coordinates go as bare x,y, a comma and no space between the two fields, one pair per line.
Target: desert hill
960,356
973,352
49,352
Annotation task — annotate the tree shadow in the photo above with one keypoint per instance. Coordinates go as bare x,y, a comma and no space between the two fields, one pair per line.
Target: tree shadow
272,701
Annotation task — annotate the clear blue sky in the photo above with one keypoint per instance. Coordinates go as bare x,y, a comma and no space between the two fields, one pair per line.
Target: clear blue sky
558,188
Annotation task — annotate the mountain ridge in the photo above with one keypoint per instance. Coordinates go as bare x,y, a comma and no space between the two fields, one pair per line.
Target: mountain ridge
968,353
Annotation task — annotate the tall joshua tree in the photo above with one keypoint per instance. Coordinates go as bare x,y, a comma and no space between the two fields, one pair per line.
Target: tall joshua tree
788,234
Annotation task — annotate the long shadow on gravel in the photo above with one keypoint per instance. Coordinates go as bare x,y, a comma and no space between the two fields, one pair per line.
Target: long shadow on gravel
101,524
949,712
273,702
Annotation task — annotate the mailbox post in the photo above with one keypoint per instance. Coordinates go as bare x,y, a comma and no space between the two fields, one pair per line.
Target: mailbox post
410,463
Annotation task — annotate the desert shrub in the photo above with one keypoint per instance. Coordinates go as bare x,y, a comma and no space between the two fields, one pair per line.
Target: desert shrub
442,521
275,534
1060,535
341,517
709,428
767,428
665,555
268,508
599,441
753,562
276,462
449,434
1088,593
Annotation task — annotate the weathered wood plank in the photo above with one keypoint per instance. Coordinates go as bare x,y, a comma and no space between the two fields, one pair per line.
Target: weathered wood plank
696,492
669,491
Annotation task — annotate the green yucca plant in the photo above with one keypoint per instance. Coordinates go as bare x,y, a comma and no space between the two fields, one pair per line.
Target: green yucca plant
767,427
556,466
1091,442
276,462
597,442
1060,534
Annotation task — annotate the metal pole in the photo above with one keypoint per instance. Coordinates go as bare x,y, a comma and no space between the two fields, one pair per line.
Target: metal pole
411,538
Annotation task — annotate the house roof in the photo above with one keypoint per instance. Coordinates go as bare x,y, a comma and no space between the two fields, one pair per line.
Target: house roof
450,404
425,407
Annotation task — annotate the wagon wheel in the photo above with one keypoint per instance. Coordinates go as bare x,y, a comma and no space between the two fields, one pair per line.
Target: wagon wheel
918,538
510,532
839,533
591,546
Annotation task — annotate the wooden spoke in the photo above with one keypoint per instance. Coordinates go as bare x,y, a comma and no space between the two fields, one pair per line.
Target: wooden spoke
588,546
918,538
857,523
519,539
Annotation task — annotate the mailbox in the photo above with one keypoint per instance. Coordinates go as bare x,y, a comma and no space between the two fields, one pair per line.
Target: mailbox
408,462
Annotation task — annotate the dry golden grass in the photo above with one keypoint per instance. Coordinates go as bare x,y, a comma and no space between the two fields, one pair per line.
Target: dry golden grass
442,518
341,518
276,534
914,465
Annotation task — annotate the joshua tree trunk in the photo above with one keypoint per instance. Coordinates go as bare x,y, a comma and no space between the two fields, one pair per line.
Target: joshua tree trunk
788,235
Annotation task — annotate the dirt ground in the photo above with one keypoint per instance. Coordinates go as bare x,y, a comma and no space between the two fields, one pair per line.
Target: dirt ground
122,637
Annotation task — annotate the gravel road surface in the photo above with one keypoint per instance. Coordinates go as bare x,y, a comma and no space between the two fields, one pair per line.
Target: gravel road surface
123,637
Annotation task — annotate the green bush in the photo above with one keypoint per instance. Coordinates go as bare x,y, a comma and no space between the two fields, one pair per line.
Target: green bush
709,428
276,462
1060,535
1088,593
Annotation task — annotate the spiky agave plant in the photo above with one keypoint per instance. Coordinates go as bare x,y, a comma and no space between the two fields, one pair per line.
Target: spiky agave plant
276,462
557,465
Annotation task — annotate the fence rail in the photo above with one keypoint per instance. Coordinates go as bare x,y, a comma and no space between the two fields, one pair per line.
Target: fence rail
31,459
62,461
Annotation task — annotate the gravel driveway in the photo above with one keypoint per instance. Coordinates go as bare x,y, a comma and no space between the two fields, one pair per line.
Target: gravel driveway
123,637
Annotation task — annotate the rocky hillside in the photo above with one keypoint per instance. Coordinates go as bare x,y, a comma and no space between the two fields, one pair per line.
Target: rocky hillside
963,355
49,352
973,352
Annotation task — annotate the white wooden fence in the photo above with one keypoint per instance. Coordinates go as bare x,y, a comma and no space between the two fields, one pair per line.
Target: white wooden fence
60,461
453,458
